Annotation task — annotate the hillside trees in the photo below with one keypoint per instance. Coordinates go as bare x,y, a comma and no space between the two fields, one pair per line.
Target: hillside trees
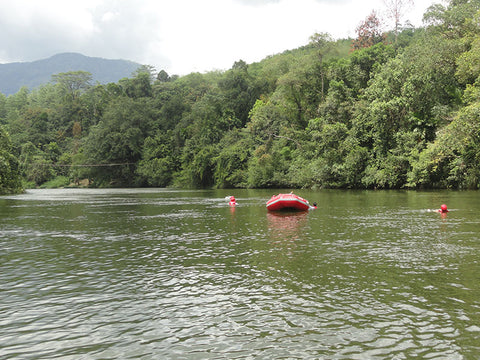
399,115
114,146
239,93
448,161
10,181
158,160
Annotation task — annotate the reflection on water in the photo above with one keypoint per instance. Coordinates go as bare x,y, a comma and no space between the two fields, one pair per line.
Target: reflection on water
170,274
288,225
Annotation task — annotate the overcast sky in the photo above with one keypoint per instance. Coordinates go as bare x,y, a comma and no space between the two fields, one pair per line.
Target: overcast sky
179,36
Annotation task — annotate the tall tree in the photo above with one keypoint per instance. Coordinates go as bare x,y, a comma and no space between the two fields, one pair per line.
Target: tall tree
9,169
114,145
163,76
395,11
239,93
323,43
369,32
73,83
456,20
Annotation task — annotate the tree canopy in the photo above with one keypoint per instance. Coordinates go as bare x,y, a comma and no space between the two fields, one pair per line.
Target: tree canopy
383,110
10,181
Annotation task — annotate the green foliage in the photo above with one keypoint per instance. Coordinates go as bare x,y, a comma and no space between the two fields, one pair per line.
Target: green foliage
36,166
138,87
10,181
469,63
452,159
115,144
380,117
231,163
3,108
261,169
72,84
158,160
239,93
364,63
198,166
266,119
57,182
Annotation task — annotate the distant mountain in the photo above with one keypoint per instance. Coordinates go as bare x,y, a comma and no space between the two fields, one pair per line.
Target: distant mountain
33,74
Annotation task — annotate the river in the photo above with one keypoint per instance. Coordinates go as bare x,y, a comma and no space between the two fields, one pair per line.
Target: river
176,274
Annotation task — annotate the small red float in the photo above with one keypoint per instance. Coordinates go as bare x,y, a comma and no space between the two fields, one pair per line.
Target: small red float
232,202
443,209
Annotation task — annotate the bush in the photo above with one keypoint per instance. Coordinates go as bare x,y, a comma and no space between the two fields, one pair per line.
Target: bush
57,182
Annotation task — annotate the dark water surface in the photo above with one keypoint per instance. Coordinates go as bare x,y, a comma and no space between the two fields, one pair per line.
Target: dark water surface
167,274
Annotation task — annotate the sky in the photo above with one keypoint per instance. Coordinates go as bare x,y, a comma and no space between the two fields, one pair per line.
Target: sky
180,36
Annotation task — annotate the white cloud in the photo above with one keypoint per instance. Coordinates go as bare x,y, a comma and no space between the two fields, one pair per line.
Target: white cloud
109,16
179,36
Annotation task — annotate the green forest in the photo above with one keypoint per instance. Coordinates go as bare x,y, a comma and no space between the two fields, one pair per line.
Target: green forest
394,110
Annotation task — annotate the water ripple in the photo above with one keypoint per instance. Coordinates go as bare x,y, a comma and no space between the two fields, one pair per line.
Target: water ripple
111,275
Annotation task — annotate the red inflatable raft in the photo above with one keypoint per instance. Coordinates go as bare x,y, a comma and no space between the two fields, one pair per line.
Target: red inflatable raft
287,202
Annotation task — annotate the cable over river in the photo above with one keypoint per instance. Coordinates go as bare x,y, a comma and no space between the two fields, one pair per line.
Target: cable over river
174,274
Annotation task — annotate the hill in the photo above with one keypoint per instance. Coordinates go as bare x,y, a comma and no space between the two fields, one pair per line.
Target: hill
32,74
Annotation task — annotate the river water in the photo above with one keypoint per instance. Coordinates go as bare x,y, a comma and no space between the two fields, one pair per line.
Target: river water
170,274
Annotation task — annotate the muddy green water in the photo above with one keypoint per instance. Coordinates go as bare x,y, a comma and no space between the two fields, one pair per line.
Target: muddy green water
167,274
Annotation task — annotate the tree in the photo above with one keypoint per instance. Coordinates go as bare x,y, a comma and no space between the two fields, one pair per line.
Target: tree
339,103
163,76
114,145
365,62
158,160
73,83
232,160
139,86
469,64
3,109
266,120
458,20
36,165
9,168
323,43
239,93
369,32
146,69
395,11
453,159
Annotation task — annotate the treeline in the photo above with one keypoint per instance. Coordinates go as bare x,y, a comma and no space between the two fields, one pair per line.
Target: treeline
393,111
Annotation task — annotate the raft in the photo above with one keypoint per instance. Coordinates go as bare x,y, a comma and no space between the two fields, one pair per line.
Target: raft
287,202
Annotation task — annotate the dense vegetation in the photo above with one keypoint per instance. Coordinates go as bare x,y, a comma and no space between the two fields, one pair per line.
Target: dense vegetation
394,111
9,170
